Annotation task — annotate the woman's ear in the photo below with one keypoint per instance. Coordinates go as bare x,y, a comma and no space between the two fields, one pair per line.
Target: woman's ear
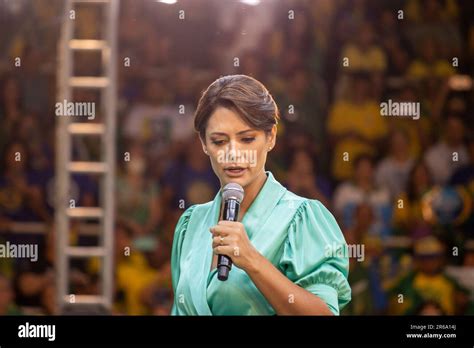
272,137
204,147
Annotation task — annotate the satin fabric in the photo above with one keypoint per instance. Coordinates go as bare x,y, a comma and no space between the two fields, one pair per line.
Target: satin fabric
298,235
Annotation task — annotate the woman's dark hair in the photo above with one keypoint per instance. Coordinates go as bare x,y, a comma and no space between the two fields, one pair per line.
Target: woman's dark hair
240,93
411,184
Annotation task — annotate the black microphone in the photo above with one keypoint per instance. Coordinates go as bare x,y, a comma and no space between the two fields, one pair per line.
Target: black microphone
232,195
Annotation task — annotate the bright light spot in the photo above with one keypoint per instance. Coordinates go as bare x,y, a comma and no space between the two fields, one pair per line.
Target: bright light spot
250,2
169,2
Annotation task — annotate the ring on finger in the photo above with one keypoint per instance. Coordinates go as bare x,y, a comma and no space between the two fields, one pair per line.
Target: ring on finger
221,240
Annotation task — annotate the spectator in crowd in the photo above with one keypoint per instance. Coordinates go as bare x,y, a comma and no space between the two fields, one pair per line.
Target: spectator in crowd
138,197
189,180
449,153
355,127
427,282
363,54
36,92
299,46
304,180
408,215
465,175
351,15
392,171
31,132
428,63
154,122
158,296
434,19
351,193
398,56
34,281
419,131
10,108
304,103
359,267
132,271
20,198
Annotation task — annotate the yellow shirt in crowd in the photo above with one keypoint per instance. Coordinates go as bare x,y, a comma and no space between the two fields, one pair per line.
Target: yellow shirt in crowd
364,120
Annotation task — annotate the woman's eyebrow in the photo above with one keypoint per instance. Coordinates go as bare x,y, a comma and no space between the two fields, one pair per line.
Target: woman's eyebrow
245,131
238,133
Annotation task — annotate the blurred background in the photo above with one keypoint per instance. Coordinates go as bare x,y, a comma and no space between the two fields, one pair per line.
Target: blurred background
399,186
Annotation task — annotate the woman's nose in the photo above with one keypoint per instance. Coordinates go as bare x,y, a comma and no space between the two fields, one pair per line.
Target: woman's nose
233,151
232,146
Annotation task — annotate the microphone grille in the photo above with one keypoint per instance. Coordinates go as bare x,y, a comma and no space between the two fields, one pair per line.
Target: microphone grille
233,191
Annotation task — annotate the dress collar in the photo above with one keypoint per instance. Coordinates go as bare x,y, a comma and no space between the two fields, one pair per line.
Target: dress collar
261,207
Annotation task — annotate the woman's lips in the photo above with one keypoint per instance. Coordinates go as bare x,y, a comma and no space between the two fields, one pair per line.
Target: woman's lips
234,171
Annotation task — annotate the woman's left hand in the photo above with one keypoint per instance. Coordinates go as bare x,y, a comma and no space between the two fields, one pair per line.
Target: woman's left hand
230,239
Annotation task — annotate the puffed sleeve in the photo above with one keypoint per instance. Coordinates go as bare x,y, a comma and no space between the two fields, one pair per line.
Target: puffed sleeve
310,258
179,233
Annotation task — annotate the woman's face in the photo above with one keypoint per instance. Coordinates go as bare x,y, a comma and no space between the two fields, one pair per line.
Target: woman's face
237,151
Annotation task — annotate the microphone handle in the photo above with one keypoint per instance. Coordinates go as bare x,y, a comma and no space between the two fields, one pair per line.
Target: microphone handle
224,263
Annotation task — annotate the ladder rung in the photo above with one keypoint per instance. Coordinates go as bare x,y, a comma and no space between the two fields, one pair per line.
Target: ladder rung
28,227
92,1
84,299
88,82
86,128
87,167
83,44
85,251
85,212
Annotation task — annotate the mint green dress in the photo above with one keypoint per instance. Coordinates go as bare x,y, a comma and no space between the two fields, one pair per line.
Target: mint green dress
294,233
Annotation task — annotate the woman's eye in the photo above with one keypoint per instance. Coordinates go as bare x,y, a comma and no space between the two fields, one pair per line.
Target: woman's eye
248,140
218,142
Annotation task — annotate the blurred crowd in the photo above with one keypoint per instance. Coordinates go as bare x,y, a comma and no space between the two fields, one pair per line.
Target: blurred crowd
402,187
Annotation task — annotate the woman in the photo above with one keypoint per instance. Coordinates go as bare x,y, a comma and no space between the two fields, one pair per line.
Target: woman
283,247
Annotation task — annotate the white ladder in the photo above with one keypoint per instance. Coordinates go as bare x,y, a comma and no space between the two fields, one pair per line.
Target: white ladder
66,129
